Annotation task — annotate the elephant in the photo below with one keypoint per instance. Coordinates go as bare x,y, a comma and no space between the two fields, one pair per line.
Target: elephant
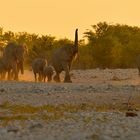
2,70
13,59
62,59
48,71
1,51
38,67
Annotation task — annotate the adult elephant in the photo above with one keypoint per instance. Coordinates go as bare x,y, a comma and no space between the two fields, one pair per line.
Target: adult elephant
13,59
62,59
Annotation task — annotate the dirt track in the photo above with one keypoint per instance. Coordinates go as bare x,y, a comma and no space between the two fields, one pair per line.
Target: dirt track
92,107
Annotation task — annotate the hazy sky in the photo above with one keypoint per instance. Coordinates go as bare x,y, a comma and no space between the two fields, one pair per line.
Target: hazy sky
60,17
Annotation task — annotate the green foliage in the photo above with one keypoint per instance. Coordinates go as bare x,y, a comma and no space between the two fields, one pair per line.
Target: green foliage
114,46
109,46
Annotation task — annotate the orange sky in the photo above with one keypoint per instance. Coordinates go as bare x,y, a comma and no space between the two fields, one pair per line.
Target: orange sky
60,17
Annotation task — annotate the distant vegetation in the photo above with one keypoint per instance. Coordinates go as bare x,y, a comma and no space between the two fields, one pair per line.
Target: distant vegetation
108,46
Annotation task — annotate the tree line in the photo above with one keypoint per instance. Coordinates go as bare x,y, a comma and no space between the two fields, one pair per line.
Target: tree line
107,46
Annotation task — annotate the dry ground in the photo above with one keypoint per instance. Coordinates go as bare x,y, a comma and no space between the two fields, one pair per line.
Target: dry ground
92,107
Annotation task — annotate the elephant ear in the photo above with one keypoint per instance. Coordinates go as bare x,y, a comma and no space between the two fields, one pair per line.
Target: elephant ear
10,49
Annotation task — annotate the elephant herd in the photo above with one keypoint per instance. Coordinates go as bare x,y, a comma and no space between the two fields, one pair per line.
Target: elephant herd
12,62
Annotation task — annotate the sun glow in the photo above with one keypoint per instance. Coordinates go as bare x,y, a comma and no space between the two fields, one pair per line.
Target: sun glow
60,18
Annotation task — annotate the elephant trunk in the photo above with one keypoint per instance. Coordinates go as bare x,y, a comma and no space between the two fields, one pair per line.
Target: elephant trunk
76,41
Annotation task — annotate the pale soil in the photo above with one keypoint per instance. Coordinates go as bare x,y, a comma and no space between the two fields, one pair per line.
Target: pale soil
103,88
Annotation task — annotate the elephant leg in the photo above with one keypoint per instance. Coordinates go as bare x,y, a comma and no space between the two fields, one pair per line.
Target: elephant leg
15,72
17,69
49,78
9,74
44,78
12,74
67,74
16,76
20,67
35,75
57,77
70,65
40,77
3,74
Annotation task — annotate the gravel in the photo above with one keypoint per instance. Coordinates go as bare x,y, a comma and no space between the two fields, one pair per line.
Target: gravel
102,87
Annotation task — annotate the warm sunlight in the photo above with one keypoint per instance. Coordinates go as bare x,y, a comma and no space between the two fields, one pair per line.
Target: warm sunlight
69,70
60,18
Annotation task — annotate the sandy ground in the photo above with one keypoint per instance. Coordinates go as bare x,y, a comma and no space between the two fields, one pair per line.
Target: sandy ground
93,107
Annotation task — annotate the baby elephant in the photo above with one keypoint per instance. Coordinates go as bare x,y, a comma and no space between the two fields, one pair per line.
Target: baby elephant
38,68
48,72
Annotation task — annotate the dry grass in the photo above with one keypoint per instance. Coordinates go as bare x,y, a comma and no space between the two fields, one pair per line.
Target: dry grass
52,112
